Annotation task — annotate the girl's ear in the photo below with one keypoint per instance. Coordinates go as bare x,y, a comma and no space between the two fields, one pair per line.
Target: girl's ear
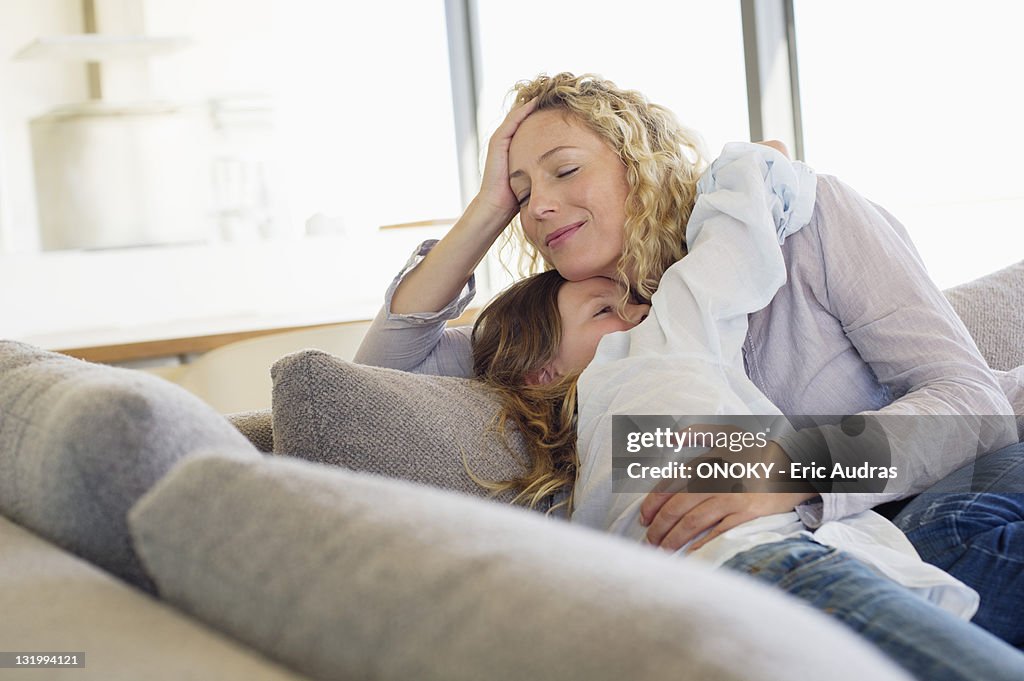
541,376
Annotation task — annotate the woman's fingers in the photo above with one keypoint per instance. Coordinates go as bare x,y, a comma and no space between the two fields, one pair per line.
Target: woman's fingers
651,504
777,145
518,114
495,185
502,137
676,518
726,524
697,520
684,516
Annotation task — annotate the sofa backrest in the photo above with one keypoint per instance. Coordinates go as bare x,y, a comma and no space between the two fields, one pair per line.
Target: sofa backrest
992,309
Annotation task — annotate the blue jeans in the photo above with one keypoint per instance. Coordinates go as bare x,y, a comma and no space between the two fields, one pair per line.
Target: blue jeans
971,524
922,638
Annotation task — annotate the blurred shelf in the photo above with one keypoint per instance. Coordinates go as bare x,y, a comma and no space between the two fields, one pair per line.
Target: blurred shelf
101,47
171,347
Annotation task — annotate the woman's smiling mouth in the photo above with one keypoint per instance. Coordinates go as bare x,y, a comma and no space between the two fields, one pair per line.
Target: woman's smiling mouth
562,234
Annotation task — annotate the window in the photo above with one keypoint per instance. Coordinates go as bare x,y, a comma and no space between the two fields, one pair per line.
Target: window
361,101
685,55
337,110
916,104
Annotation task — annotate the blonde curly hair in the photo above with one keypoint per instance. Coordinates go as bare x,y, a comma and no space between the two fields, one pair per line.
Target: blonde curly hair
663,161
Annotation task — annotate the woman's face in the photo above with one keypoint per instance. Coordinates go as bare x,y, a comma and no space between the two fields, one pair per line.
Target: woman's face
572,193
587,309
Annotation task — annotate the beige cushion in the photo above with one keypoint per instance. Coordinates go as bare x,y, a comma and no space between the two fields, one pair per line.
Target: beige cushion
391,423
52,601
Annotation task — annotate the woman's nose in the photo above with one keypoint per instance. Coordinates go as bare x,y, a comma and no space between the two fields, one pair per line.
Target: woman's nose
543,202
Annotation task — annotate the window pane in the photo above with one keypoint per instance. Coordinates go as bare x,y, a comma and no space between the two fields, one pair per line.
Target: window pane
914,104
685,55
360,95
306,107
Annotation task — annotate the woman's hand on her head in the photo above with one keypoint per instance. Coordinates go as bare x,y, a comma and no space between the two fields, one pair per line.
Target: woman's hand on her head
437,280
495,193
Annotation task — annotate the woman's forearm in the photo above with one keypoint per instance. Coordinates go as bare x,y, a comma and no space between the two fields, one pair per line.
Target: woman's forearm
445,270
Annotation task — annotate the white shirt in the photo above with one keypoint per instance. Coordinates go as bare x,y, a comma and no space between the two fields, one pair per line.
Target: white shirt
686,359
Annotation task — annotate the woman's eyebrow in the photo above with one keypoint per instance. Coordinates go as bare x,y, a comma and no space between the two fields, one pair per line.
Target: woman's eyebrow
540,159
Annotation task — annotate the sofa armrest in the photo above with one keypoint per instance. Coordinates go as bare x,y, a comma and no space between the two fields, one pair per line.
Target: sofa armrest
52,600
257,426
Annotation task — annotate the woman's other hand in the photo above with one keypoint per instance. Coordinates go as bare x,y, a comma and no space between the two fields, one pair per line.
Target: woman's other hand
675,518
777,145
679,517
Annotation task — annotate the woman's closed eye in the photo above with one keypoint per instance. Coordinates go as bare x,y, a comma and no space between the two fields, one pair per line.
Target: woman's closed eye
525,198
604,310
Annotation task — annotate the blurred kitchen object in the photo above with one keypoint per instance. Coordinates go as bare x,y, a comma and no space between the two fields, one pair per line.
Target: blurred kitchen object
242,167
119,169
114,175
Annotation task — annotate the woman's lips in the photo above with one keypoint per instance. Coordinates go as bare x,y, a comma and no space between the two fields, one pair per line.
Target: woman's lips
561,234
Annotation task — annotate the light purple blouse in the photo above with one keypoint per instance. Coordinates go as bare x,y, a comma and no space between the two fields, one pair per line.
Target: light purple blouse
859,327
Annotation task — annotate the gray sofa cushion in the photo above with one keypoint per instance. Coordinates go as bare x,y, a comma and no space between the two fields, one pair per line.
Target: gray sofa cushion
81,442
391,423
347,576
992,309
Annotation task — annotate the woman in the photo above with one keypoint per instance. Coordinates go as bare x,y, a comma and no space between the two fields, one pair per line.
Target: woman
603,183
533,341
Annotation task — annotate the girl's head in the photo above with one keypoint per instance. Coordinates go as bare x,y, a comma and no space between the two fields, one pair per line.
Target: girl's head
544,329
529,345
606,180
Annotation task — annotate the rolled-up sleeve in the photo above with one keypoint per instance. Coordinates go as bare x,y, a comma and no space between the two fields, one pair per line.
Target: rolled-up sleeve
420,342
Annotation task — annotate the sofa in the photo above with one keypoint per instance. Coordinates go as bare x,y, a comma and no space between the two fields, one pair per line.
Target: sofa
343,535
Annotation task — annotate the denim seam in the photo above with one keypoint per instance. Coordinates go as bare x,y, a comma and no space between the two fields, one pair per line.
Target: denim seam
791,575
972,546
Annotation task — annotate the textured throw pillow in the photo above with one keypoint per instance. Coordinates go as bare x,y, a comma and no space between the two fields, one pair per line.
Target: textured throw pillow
81,442
392,423
992,309
346,576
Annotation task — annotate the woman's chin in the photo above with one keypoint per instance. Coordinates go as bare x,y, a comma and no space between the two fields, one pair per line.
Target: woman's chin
574,270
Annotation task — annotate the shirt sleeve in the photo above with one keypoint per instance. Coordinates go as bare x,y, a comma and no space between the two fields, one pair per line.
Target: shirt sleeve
948,407
420,342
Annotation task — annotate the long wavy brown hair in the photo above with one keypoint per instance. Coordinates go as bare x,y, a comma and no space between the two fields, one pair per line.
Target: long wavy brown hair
663,161
514,337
